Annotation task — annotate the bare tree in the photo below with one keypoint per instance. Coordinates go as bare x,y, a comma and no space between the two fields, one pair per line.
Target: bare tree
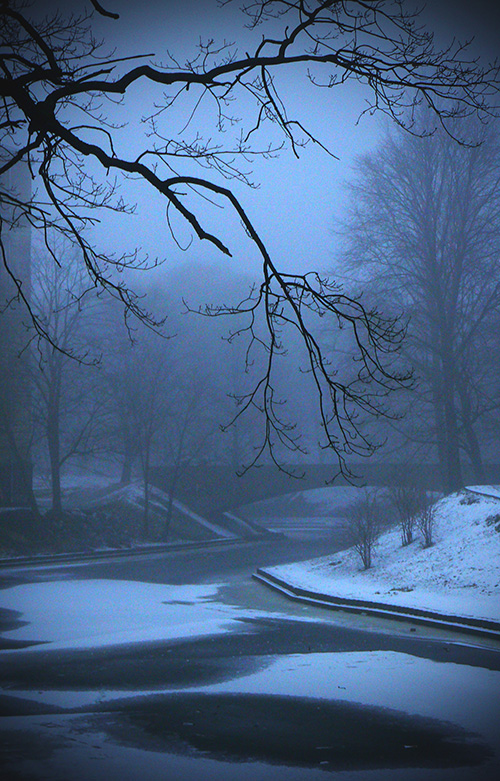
424,238
149,396
188,431
425,524
19,451
56,85
363,526
120,364
65,404
410,502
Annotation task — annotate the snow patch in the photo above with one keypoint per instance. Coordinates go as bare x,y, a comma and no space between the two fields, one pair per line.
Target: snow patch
87,614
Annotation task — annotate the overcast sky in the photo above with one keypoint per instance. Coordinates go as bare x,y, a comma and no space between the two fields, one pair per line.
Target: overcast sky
297,203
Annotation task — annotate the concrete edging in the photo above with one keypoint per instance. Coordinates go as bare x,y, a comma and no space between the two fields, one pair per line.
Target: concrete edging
482,493
485,627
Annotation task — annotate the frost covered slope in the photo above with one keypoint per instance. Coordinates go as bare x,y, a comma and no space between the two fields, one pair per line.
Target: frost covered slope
459,574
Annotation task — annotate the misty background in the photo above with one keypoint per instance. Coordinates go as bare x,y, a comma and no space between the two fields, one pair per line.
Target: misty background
118,395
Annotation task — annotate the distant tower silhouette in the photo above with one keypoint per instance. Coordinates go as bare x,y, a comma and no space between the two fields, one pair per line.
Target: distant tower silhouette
15,391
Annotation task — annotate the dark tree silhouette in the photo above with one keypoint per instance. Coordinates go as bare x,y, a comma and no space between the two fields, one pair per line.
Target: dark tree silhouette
58,91
423,236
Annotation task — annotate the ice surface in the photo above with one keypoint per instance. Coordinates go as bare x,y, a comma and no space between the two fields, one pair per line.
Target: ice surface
89,613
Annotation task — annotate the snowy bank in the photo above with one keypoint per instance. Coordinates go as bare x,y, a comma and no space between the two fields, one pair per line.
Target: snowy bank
459,575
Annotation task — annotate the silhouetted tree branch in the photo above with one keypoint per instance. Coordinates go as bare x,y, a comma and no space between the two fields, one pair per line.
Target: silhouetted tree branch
58,93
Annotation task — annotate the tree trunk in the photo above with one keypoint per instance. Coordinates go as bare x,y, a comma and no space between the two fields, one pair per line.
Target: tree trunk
175,475
454,479
168,519
145,470
129,454
23,464
28,488
126,475
440,430
171,495
474,453
472,445
54,447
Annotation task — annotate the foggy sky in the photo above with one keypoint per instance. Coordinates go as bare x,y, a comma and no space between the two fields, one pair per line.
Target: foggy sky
298,202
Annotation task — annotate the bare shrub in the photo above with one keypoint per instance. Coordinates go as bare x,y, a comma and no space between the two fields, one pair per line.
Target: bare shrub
494,520
469,498
363,526
425,524
409,501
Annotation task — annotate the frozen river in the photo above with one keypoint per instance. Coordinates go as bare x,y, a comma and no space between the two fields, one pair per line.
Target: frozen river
181,667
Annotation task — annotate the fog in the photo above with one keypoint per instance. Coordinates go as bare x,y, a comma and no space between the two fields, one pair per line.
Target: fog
249,390
174,387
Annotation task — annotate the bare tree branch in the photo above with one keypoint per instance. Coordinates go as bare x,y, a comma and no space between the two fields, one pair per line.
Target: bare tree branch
53,71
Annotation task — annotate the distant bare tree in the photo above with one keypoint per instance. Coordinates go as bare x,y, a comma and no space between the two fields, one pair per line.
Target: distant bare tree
363,526
65,406
424,240
120,364
186,435
150,403
17,452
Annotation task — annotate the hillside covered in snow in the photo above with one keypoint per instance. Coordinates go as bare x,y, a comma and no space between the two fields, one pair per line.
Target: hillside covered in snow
459,574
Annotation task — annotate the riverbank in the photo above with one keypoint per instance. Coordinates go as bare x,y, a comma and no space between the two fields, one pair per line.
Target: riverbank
458,576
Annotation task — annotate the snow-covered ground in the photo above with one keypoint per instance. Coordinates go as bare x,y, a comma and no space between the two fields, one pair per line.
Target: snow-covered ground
397,683
463,564
134,494
94,613
458,575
